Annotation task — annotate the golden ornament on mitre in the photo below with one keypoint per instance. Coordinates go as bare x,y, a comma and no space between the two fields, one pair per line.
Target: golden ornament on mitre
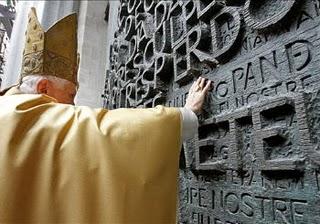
53,52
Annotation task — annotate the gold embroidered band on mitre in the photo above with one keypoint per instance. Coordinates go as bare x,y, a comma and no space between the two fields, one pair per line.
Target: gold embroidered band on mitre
53,52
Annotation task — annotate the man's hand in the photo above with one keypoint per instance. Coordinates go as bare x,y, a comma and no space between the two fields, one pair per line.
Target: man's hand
197,94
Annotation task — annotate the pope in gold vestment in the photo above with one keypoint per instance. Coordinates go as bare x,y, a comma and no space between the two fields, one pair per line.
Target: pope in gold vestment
61,163
65,164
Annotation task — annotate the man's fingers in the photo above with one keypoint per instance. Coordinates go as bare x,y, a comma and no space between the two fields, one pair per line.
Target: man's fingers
195,85
202,82
192,87
207,87
198,81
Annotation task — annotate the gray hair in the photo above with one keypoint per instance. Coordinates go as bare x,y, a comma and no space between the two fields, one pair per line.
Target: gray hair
30,82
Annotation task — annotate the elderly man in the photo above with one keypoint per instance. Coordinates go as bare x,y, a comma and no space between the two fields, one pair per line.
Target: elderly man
61,163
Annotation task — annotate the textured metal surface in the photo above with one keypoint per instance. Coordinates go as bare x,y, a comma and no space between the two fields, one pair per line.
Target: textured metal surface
256,156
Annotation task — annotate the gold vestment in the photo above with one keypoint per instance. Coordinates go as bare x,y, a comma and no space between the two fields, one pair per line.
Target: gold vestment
67,164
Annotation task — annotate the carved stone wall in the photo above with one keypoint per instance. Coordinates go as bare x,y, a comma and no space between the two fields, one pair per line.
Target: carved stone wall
256,157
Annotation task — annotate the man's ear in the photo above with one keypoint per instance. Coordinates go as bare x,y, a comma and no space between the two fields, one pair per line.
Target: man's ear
42,86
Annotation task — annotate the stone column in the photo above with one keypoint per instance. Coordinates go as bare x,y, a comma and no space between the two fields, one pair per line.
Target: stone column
92,33
112,25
